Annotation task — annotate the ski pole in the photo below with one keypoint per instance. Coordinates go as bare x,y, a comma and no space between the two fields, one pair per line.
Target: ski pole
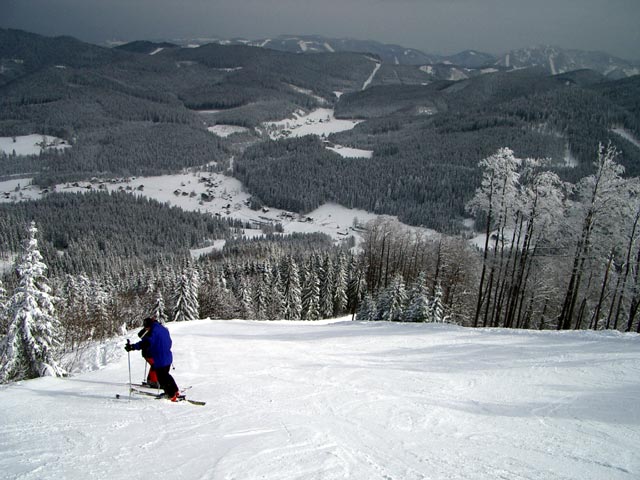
144,378
129,362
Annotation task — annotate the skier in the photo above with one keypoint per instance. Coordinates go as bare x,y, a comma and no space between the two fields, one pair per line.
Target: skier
156,343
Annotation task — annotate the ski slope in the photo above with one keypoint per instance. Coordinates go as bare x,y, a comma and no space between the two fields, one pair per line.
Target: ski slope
336,400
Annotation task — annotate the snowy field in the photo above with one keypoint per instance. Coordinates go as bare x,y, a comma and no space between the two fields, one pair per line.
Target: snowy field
340,400
31,144
226,199
348,152
320,122
226,130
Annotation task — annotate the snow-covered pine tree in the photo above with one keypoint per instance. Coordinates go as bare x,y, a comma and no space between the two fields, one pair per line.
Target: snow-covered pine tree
419,305
325,275
292,291
340,287
99,311
4,307
246,300
260,298
368,309
30,346
356,286
392,301
159,312
275,304
186,304
436,312
310,294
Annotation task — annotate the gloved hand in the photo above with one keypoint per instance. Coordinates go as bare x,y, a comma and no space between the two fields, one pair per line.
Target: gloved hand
128,347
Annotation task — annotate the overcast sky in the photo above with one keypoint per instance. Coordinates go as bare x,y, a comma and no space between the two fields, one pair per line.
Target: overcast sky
434,26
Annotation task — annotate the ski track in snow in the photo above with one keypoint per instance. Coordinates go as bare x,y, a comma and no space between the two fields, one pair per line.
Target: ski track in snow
323,400
371,77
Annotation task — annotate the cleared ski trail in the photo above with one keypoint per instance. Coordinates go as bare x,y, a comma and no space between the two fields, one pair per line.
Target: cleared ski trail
342,400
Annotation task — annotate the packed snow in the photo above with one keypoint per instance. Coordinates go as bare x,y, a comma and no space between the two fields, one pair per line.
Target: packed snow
33,144
226,130
348,152
323,400
320,122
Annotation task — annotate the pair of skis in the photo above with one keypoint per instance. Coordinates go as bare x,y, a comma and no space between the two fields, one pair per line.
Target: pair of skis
138,390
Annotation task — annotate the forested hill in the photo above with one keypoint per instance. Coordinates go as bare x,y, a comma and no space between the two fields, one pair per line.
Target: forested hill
144,108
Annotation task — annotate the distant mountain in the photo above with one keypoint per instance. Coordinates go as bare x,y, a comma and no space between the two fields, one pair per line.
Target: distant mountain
557,60
141,46
554,60
388,53
471,59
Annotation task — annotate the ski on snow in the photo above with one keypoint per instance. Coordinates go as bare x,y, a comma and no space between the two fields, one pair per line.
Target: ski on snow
160,396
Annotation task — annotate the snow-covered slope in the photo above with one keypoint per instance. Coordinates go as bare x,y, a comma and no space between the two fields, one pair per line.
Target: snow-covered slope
340,400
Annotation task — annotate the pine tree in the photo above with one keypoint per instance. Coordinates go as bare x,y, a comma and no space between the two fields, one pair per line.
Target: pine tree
159,312
246,302
436,312
99,311
419,306
392,301
260,299
186,305
356,287
368,309
311,294
30,347
325,275
292,291
276,305
340,287
4,310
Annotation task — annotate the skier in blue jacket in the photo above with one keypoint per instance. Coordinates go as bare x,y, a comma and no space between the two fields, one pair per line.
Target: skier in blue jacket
157,344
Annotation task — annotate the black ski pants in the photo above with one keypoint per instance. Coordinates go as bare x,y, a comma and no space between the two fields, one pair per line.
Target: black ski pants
166,381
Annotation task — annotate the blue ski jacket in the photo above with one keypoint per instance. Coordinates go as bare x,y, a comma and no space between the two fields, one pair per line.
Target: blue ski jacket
157,345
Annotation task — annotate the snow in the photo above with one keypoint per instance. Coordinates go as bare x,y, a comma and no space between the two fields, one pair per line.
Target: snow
427,69
157,50
18,189
321,122
552,65
306,91
226,130
31,144
570,160
456,74
329,400
329,47
228,199
7,262
371,77
348,152
626,135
